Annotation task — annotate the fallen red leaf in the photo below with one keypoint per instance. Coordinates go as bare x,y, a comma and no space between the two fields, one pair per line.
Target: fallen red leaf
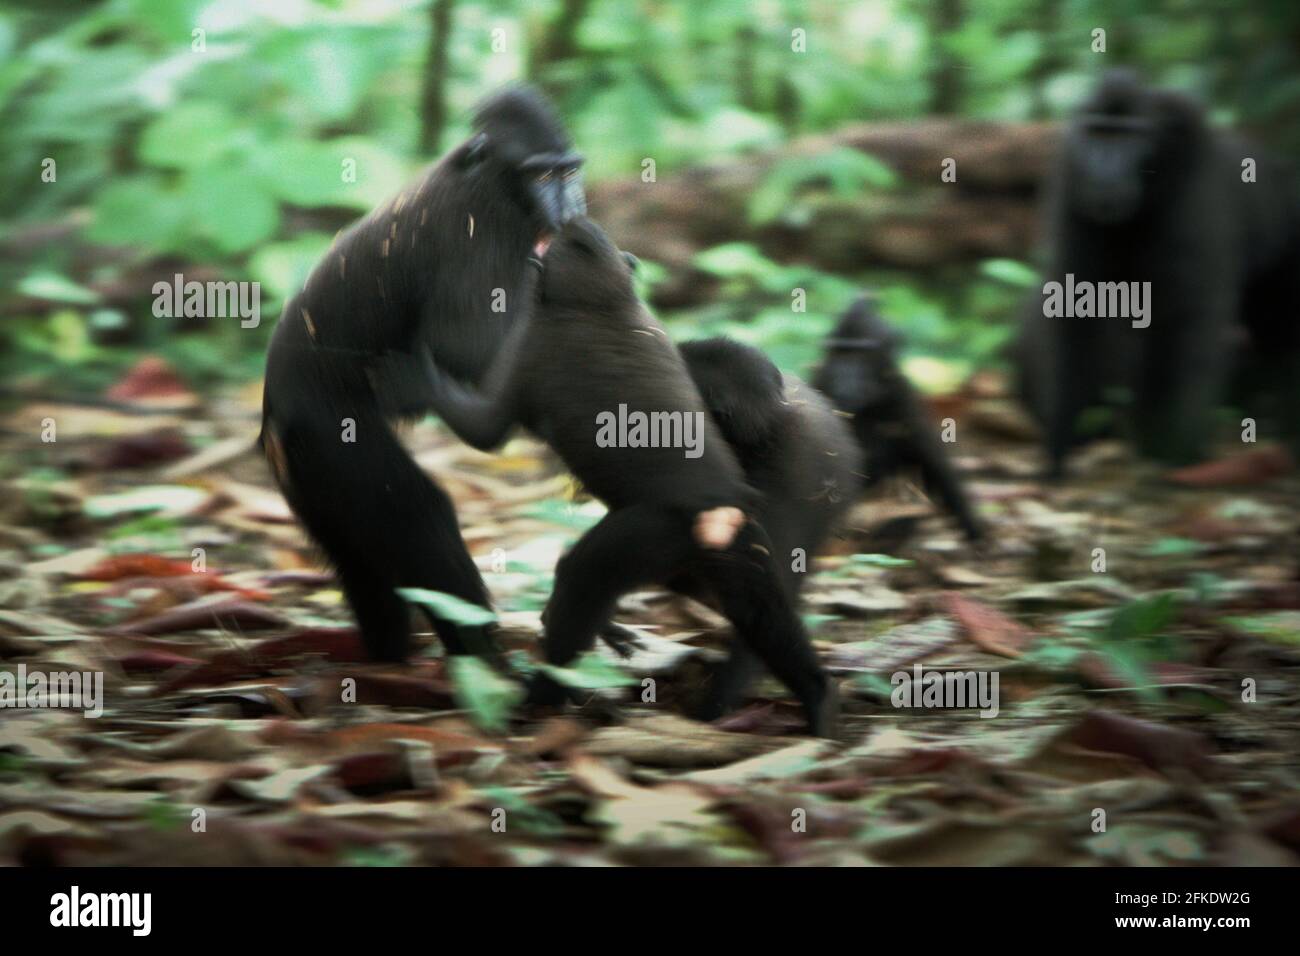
130,567
340,645
1251,468
137,566
139,451
151,377
154,662
444,742
371,773
760,718
1158,746
235,615
1097,671
989,629
397,690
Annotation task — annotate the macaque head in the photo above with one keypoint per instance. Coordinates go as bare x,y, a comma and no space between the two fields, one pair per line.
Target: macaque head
523,146
860,370
1125,144
583,269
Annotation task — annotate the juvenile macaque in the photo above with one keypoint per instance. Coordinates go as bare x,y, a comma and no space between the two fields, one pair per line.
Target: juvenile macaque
861,376
796,452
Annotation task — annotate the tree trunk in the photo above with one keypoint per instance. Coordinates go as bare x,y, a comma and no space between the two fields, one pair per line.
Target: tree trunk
433,101
946,80
558,43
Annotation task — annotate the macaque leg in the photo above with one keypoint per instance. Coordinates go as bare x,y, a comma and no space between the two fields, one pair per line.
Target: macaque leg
384,525
629,548
752,597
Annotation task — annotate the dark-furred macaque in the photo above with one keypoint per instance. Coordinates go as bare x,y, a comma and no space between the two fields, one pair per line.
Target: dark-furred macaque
861,376
795,451
1163,235
593,375
441,267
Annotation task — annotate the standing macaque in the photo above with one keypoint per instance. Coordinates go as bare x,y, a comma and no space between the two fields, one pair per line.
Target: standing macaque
442,266
1161,243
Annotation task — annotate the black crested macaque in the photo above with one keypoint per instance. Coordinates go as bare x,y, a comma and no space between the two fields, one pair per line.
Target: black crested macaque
1157,248
442,266
796,452
593,375
861,376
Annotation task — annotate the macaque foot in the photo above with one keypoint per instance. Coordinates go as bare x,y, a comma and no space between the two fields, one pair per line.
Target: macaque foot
544,692
824,714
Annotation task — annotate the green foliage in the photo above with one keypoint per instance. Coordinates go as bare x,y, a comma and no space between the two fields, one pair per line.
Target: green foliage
592,672
487,695
283,267
14,765
449,607
559,511
145,499
1134,638
1143,619
189,136
381,855
151,534
880,561
56,288
847,172
523,814
956,324
815,622
1282,627
1010,271
873,686
162,814
1173,547
141,211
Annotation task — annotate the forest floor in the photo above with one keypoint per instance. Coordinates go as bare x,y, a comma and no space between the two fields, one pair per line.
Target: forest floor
1146,714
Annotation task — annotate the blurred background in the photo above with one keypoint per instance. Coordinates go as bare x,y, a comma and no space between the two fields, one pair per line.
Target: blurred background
205,136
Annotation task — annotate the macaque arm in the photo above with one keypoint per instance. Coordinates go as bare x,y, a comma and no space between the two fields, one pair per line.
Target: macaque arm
401,383
411,383
482,420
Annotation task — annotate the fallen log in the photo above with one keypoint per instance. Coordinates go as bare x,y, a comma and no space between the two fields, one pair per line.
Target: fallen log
920,223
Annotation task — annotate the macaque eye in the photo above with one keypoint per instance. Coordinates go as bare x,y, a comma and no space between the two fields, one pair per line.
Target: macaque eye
545,177
571,174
